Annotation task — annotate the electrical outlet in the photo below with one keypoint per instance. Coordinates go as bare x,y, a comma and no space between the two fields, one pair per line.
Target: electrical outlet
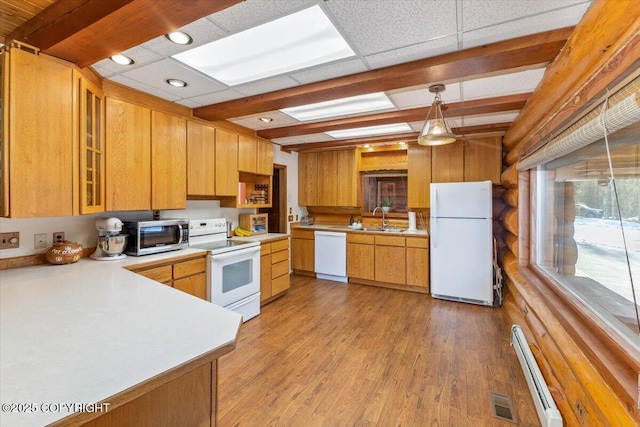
290,218
58,237
40,241
10,240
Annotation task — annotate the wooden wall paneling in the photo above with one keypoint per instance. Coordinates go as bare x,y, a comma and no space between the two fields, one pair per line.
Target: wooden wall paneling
483,159
511,197
201,159
128,156
447,162
41,117
168,161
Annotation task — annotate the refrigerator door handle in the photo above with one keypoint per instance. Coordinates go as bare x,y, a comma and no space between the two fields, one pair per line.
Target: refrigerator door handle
434,218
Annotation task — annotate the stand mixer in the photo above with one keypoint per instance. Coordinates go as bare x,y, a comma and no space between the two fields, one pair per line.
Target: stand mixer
111,243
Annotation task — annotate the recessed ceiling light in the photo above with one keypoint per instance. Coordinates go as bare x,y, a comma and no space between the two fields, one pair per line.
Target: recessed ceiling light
402,143
176,82
270,49
370,130
340,107
179,37
266,119
122,59
367,145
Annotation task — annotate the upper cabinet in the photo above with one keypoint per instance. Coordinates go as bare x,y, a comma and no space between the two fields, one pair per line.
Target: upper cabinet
39,113
226,169
447,162
92,148
128,135
255,156
264,160
201,157
168,161
483,159
328,178
419,176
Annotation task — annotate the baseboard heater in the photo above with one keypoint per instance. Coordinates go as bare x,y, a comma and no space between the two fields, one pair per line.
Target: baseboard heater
545,406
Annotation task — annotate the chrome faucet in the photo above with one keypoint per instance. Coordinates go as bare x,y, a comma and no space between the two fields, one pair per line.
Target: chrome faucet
384,224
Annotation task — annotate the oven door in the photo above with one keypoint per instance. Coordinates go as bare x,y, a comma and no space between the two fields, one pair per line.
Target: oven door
233,276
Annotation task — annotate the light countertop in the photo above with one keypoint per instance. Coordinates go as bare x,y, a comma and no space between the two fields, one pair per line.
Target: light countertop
347,229
83,332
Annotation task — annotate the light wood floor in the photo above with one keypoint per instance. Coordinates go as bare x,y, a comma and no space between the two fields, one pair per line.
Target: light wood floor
331,354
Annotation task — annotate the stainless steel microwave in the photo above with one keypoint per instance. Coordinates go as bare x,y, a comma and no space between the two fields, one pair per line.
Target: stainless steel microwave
155,236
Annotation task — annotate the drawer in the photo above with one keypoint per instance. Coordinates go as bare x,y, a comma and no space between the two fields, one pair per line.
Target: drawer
265,249
159,274
280,284
279,256
302,234
280,245
417,242
189,268
280,268
389,241
360,238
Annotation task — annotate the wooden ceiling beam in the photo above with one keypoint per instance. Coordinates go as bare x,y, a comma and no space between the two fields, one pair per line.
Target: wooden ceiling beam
478,129
466,108
522,52
87,31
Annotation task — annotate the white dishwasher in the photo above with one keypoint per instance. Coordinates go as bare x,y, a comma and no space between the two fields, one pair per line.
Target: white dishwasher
331,256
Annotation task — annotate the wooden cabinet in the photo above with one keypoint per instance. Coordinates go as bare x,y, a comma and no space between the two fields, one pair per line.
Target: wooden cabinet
274,269
38,123
303,251
417,262
307,179
264,161
185,274
328,178
483,159
255,156
360,256
419,176
92,148
128,159
201,157
390,260
169,161
226,169
447,162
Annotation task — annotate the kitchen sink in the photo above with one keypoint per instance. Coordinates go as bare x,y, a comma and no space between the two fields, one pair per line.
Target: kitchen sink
386,230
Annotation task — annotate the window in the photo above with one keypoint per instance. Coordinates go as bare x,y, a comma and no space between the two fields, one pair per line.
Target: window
587,227
385,189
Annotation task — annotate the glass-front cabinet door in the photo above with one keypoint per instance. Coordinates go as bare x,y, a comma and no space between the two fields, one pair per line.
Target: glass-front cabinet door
92,159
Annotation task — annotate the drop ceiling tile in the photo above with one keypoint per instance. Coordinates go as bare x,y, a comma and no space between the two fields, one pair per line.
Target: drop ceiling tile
330,71
251,13
140,55
316,137
376,26
216,97
413,52
545,22
507,84
188,103
421,97
266,85
484,119
480,14
144,87
201,31
157,73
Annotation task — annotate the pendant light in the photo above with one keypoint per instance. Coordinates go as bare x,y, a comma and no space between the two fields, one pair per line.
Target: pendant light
435,130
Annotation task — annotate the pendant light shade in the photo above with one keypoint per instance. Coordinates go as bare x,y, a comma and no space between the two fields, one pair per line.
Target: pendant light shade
435,130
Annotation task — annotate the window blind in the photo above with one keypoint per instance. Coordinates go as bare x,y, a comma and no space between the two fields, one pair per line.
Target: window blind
623,111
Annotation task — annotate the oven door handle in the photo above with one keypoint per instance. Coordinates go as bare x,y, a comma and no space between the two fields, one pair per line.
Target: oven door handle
233,254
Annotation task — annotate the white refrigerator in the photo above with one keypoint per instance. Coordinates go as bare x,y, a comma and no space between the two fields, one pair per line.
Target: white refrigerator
461,242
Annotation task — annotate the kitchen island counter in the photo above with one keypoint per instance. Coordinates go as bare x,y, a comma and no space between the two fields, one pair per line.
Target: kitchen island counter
93,332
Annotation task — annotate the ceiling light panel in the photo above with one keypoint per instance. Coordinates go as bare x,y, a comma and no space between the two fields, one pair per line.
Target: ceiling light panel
370,131
269,49
340,107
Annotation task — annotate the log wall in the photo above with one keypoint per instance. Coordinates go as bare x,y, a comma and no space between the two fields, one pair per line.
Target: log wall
591,380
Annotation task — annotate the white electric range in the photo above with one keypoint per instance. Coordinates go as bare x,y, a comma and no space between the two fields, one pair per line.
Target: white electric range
233,266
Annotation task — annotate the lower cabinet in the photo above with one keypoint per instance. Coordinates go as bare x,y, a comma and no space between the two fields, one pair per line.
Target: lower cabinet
184,274
303,251
418,262
360,256
274,269
390,260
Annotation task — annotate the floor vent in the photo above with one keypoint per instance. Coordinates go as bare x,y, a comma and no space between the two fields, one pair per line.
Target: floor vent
501,407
